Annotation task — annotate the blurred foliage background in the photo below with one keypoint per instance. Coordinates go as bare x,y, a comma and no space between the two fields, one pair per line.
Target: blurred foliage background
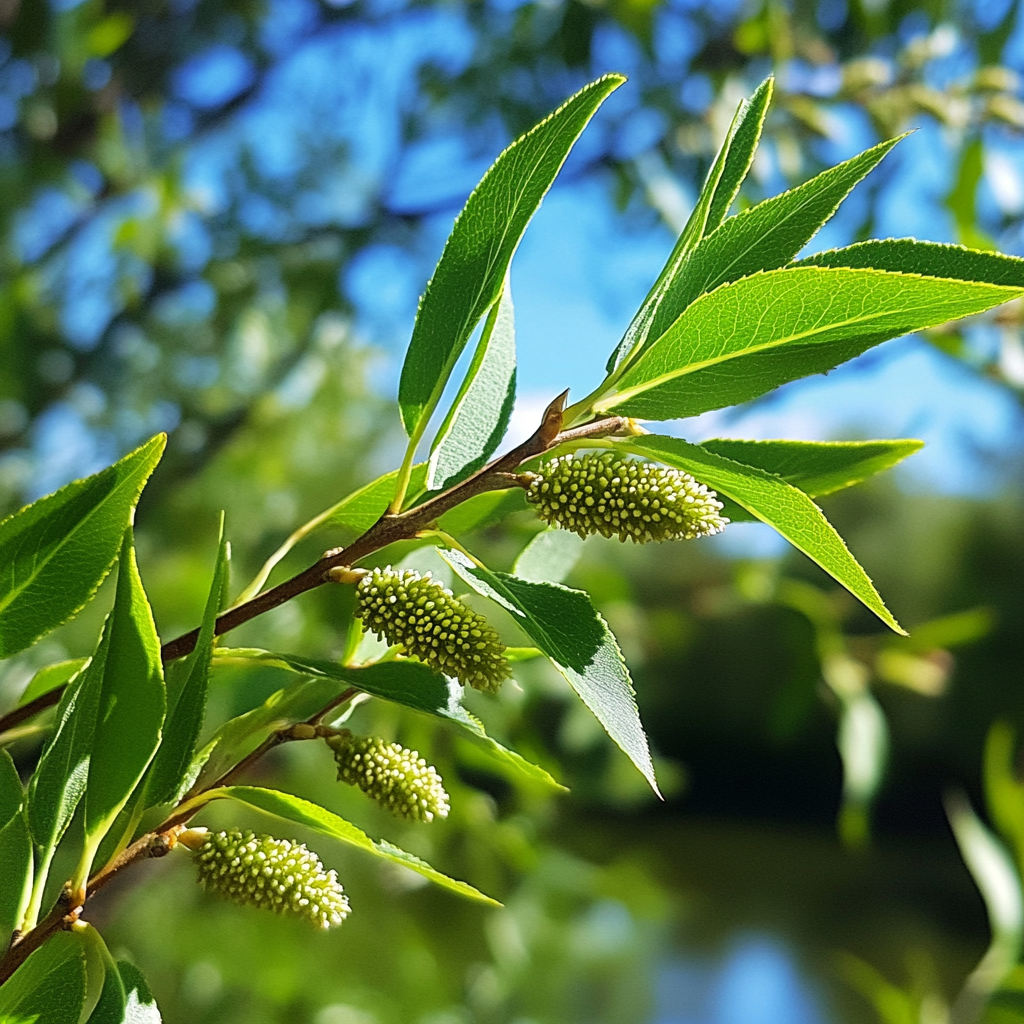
215,219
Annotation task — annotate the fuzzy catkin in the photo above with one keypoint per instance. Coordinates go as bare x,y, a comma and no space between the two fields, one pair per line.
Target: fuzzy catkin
397,778
624,498
428,622
272,874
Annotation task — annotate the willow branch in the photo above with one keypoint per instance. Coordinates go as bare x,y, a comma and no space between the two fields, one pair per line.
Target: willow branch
498,475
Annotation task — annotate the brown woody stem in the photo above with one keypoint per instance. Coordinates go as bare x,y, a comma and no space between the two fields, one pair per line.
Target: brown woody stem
498,475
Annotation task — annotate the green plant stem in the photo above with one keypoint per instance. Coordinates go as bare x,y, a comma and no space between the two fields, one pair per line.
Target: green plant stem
35,902
405,474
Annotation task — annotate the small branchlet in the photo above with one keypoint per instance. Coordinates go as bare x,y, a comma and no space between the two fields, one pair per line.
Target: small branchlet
272,874
429,623
397,778
623,498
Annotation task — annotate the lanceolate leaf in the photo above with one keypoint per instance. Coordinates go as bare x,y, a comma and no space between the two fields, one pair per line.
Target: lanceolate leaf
765,237
775,502
472,268
361,509
59,779
131,702
411,684
817,467
16,870
49,986
187,706
11,794
50,677
748,337
480,414
15,849
641,327
55,552
568,629
909,256
740,155
312,816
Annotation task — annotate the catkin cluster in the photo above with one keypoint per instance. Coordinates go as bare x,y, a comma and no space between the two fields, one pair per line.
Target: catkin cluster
428,622
624,498
397,778
273,874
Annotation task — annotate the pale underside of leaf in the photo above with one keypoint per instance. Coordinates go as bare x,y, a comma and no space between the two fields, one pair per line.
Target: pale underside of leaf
481,411
573,635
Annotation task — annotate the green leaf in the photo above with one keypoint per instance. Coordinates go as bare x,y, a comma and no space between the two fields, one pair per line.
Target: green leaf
49,986
549,557
817,467
169,770
740,153
312,816
775,502
104,994
641,326
570,631
483,510
362,508
140,1006
50,677
470,274
131,702
56,551
59,780
909,256
480,414
1004,792
766,236
12,796
16,870
745,338
408,683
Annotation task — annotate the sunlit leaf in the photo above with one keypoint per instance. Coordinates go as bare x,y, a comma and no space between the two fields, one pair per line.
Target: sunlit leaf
127,674
55,552
748,337
49,986
470,274
187,705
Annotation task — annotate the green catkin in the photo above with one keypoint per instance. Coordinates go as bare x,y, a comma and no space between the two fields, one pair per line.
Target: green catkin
397,778
624,498
424,617
272,874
